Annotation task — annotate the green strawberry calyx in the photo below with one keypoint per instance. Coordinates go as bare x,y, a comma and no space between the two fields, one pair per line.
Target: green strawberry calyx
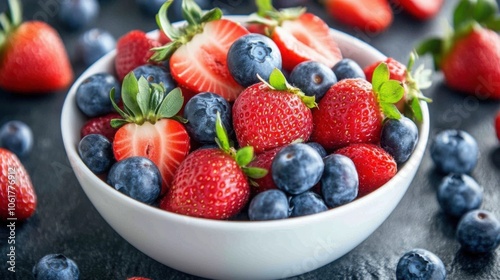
9,21
145,102
242,156
195,18
467,16
387,91
277,81
271,17
416,80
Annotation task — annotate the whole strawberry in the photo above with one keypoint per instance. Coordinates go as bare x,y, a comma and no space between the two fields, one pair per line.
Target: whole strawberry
352,110
17,196
33,59
100,125
212,183
469,56
270,115
367,16
264,160
374,165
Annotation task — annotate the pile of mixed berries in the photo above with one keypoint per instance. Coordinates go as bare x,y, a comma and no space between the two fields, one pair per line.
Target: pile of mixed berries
216,118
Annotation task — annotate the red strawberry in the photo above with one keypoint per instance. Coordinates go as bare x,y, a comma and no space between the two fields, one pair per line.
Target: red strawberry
133,50
369,16
33,59
374,165
212,183
420,9
198,52
266,116
397,70
17,196
470,56
264,160
300,36
100,125
151,132
497,125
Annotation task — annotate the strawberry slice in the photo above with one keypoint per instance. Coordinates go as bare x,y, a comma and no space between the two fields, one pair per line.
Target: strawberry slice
198,50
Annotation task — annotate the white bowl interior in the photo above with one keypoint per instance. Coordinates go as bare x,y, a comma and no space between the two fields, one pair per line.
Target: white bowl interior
241,249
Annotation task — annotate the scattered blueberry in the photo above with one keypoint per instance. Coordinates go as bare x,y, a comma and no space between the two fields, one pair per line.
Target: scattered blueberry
454,151
269,205
479,232
201,113
96,152
306,203
320,149
56,267
92,95
296,168
150,7
399,138
76,14
17,137
137,177
420,264
340,182
156,74
313,78
94,44
458,194
348,69
250,55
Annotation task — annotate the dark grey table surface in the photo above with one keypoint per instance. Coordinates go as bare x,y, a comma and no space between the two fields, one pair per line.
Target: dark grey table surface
66,222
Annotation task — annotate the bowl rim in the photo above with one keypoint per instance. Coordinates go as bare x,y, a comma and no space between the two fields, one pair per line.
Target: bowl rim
70,143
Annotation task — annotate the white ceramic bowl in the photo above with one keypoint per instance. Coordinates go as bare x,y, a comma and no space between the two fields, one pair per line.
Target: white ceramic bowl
241,249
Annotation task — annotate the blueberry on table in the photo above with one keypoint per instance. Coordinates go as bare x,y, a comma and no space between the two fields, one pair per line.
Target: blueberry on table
399,138
478,231
56,267
269,205
306,203
296,168
92,95
339,182
94,44
201,113
454,151
76,14
458,194
252,55
156,74
17,137
420,264
313,78
137,177
348,69
96,152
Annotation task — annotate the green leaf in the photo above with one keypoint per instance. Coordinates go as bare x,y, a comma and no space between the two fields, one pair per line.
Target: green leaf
117,123
484,10
144,95
112,96
15,12
244,156
277,80
416,109
130,90
3,39
264,7
165,52
171,104
191,12
164,24
433,46
5,23
493,23
222,138
390,110
422,77
391,92
381,74
462,13
309,101
212,15
255,172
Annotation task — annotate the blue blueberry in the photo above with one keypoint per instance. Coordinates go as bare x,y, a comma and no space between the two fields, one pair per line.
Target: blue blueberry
340,181
96,152
348,69
399,138
454,151
320,149
17,137
56,267
201,113
94,44
306,203
269,205
478,231
156,74
313,78
76,14
420,264
150,7
250,55
296,168
174,12
458,194
92,95
137,177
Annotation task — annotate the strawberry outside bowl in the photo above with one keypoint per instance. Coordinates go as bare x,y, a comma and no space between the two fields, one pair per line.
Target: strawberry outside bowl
241,249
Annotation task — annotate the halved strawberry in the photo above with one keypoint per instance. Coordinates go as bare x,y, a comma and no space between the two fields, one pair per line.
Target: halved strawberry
198,51
149,127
